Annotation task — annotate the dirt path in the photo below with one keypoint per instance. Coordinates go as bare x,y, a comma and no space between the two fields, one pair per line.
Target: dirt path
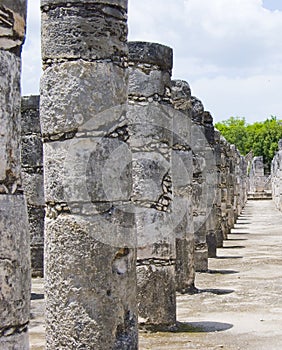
240,301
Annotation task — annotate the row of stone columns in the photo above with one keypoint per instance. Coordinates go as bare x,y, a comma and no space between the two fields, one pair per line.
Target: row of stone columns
32,175
233,185
14,242
132,181
276,177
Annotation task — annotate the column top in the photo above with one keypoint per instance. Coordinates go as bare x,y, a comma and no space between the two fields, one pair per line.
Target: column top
119,3
151,53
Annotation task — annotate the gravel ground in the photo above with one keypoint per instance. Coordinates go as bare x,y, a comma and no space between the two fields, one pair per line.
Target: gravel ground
239,304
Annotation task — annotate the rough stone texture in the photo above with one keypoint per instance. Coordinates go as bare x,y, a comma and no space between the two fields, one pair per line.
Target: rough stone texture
150,139
14,270
182,179
90,235
204,185
12,24
276,177
10,123
32,175
14,243
85,287
101,24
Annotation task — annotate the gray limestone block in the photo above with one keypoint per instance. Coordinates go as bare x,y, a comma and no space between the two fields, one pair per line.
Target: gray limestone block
14,262
33,188
150,127
90,30
201,257
118,3
36,217
37,260
182,130
185,265
30,121
147,84
87,170
182,171
155,238
183,218
15,342
31,151
83,96
197,110
12,23
90,284
9,118
149,170
212,244
156,295
150,53
180,90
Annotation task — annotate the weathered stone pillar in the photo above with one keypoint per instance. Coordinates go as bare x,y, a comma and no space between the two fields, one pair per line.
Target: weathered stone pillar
204,183
32,174
182,180
211,179
14,242
224,186
218,200
90,247
276,177
151,117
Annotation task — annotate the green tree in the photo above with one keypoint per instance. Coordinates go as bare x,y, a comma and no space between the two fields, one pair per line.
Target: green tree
260,137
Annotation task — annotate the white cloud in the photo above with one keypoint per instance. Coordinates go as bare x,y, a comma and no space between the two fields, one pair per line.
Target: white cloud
31,54
226,49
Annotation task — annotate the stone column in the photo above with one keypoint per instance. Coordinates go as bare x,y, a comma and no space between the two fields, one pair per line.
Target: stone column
276,177
211,179
218,200
90,247
14,242
151,118
182,180
32,173
203,183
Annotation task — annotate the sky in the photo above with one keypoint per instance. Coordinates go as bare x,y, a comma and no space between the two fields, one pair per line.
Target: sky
229,51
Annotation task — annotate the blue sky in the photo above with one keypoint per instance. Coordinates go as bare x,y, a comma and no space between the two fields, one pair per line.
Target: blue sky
230,51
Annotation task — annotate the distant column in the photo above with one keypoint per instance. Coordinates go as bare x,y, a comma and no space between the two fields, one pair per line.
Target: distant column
14,241
182,180
32,173
90,248
200,210
151,117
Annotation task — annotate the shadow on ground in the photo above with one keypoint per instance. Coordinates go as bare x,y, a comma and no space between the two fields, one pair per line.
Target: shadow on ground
202,327
222,272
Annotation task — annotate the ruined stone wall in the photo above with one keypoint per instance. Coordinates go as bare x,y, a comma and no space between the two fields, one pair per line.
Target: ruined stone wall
90,236
14,242
32,174
276,177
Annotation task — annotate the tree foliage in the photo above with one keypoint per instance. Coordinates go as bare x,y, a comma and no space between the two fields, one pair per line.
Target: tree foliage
261,137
